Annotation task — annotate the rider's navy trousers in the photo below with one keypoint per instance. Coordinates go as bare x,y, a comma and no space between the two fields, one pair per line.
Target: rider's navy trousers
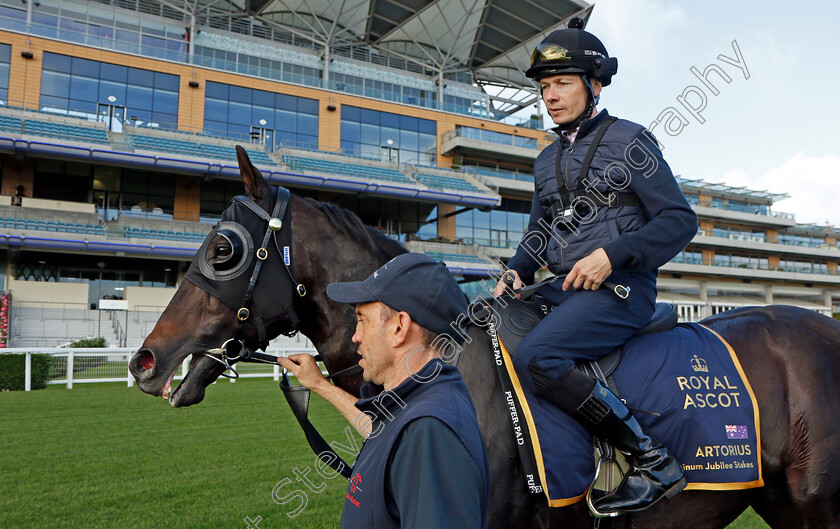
584,325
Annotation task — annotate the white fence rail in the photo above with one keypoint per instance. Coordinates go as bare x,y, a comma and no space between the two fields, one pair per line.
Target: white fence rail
78,366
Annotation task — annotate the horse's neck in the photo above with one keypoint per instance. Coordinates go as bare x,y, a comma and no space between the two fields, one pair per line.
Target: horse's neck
324,256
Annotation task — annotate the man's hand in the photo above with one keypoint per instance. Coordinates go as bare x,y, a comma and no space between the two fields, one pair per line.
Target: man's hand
501,287
305,369
589,272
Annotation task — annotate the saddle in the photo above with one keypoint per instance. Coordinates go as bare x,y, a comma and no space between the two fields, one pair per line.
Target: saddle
519,317
556,453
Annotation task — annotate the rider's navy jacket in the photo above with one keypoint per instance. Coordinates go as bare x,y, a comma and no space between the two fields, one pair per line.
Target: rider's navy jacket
424,464
635,238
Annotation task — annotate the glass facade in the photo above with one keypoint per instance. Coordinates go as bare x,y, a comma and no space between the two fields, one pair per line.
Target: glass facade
383,90
274,119
385,136
805,267
500,172
801,240
741,261
688,257
737,205
257,66
101,27
398,219
741,234
100,91
5,59
497,137
58,180
147,191
503,227
217,194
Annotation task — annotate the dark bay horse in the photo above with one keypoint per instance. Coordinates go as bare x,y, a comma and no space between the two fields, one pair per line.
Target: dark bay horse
791,356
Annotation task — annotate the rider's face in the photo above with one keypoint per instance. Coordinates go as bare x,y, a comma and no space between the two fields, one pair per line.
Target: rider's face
565,96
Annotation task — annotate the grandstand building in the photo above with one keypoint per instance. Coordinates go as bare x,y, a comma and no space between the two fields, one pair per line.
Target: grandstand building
118,121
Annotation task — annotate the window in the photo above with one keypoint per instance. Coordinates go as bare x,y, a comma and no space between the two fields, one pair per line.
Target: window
741,261
385,136
217,194
496,137
741,234
688,257
5,59
502,227
57,180
235,111
85,88
148,191
805,267
801,240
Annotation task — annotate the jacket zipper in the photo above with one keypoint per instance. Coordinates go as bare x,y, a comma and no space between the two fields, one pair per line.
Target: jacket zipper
569,152
565,175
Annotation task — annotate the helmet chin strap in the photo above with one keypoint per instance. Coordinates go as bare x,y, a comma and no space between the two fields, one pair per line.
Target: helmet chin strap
591,101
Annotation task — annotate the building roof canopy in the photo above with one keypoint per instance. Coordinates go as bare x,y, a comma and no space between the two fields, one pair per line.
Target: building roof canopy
492,39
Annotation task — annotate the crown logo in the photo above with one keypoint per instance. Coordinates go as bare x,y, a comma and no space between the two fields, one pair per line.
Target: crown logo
699,365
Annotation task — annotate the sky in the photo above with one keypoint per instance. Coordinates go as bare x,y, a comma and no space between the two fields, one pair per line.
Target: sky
773,127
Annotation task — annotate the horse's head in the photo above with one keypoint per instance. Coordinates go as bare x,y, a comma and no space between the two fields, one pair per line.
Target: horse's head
254,240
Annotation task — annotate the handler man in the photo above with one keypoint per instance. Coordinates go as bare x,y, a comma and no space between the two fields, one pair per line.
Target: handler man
423,464
620,219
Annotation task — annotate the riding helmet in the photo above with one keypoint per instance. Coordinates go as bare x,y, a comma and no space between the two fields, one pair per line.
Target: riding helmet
572,50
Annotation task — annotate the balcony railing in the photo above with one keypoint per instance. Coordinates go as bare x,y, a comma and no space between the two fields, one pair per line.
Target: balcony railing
499,173
802,269
755,209
498,138
761,238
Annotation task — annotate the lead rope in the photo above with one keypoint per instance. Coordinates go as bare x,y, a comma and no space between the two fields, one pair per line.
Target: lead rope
298,399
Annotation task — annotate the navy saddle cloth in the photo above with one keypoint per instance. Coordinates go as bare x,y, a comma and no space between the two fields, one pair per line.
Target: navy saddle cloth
687,379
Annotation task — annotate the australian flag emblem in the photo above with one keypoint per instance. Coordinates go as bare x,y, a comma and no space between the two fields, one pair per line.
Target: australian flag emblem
736,431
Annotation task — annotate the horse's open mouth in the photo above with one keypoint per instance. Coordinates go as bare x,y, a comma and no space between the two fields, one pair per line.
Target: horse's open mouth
202,372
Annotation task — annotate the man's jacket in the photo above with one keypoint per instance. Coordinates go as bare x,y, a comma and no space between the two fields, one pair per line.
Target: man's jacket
424,464
639,237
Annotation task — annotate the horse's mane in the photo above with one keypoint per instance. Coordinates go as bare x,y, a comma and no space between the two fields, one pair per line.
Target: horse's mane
349,223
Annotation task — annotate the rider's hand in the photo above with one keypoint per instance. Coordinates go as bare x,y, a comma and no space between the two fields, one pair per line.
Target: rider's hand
305,369
589,272
501,286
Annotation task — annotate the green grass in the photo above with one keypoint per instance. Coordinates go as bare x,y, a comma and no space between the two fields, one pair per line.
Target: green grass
104,455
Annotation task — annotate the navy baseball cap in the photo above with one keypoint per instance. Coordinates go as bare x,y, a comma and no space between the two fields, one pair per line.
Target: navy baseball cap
412,283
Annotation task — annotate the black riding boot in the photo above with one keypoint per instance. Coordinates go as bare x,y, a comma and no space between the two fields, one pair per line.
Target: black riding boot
654,474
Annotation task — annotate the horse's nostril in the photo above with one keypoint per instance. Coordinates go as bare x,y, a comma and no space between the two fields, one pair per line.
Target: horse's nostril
146,361
142,364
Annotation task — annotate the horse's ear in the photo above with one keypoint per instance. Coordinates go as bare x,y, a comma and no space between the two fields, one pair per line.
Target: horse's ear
255,184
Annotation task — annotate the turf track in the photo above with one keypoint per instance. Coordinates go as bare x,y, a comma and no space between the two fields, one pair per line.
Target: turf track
105,456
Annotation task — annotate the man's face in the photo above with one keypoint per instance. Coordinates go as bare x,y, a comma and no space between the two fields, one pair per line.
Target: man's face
374,346
565,96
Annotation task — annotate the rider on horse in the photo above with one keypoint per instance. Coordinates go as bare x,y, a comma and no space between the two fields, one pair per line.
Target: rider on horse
606,207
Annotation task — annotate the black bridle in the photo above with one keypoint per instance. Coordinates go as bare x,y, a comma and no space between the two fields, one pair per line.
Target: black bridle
234,349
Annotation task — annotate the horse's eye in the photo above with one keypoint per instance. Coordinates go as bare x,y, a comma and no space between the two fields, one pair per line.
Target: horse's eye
225,251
